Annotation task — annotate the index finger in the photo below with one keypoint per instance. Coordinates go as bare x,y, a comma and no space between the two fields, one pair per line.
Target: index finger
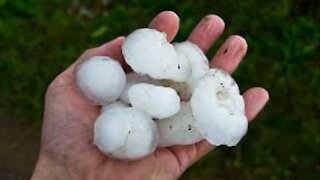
167,22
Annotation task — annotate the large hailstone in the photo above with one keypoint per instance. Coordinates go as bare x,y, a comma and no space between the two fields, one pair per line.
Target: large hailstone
158,101
197,59
101,79
125,133
134,78
147,51
178,129
218,109
199,67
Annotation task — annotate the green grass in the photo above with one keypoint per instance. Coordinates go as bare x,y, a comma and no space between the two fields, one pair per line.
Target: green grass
39,39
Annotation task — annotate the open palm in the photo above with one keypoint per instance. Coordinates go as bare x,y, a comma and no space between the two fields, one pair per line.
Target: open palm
67,150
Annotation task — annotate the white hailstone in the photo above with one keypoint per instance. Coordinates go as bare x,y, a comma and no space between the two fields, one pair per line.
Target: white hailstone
178,129
134,78
147,51
101,79
113,105
198,61
218,109
158,101
125,133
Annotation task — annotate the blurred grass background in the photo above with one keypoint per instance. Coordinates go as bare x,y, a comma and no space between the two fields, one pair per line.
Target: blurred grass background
40,38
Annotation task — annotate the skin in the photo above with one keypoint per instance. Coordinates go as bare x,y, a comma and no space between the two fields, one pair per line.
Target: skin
67,151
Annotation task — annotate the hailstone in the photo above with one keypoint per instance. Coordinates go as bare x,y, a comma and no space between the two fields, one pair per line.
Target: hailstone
101,79
147,51
178,129
198,61
157,101
218,109
134,78
125,133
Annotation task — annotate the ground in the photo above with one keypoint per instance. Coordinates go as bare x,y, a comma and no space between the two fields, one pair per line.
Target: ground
19,149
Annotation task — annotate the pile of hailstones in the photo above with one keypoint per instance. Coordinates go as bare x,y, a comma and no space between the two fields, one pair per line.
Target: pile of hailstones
171,98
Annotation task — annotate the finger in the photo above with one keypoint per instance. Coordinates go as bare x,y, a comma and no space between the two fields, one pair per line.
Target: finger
111,49
189,154
207,32
255,99
167,22
230,54
203,148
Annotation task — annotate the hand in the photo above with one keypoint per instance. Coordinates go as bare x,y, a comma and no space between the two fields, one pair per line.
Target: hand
67,150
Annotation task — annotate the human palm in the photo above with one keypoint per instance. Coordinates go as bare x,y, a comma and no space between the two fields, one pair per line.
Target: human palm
67,150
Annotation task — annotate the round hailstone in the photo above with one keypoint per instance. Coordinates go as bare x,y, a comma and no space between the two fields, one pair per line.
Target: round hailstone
147,51
178,129
218,109
125,133
159,102
101,79
197,59
113,105
134,78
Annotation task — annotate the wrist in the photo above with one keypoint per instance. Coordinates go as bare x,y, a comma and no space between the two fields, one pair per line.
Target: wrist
47,168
